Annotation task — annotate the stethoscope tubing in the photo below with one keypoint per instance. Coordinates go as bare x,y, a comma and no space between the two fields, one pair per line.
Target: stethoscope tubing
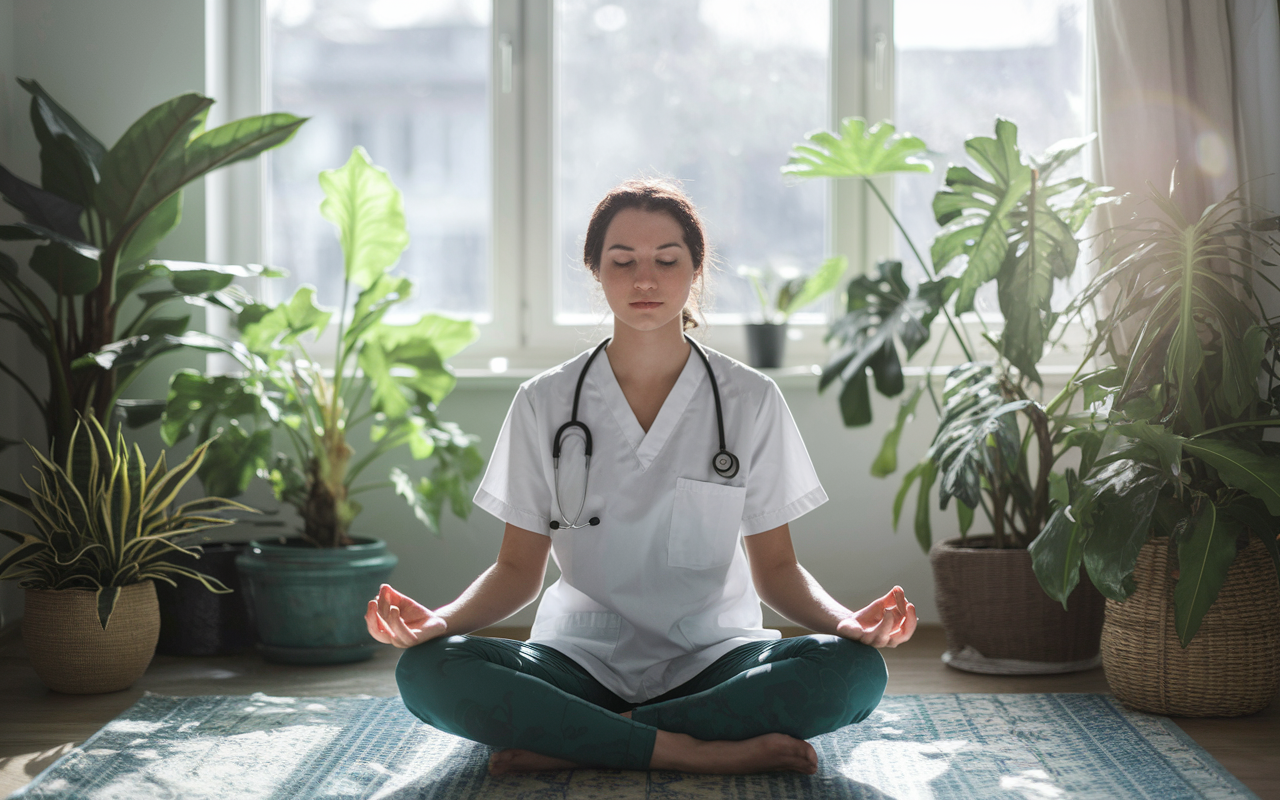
724,463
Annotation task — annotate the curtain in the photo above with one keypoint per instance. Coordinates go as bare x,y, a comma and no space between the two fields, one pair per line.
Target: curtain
1194,83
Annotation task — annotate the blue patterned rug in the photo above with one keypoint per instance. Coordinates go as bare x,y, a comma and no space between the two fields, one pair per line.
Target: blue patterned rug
988,746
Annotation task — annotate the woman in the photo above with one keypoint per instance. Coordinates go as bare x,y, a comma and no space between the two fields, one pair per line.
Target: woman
640,465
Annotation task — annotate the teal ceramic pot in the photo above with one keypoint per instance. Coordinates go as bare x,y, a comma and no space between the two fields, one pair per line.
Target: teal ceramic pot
308,602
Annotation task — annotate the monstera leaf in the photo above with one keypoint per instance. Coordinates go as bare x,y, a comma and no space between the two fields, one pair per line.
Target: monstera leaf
978,437
881,314
857,152
1016,227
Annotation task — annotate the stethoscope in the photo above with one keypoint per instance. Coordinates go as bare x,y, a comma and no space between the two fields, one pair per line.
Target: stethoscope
723,462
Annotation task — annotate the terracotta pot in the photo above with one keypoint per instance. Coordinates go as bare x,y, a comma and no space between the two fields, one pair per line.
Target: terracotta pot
73,654
1231,667
998,619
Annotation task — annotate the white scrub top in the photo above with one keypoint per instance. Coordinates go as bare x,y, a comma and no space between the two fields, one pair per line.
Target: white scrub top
661,588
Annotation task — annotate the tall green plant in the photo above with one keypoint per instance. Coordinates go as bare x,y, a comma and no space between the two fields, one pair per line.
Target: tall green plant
99,213
392,375
1180,454
103,520
1013,223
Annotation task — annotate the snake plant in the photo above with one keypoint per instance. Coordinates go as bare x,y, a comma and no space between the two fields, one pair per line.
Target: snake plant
103,519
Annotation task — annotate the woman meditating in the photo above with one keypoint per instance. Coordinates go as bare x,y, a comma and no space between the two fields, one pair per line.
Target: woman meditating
640,465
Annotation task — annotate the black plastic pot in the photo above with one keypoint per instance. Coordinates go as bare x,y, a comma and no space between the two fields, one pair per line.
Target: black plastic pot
766,344
196,622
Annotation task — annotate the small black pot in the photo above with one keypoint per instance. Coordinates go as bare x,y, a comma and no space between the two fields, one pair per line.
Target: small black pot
766,344
196,622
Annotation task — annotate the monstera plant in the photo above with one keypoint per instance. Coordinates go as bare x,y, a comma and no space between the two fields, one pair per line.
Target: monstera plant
1010,220
389,374
89,300
1013,223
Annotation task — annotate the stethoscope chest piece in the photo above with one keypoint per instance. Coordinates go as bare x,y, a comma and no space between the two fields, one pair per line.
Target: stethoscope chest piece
725,464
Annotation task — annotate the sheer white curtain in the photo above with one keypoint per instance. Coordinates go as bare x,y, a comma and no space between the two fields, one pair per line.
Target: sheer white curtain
1191,82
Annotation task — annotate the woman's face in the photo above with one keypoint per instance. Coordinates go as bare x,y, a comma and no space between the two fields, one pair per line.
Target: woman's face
646,269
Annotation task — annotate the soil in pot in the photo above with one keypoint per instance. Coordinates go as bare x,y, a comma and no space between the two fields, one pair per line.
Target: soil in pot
70,651
196,622
998,619
308,602
1231,667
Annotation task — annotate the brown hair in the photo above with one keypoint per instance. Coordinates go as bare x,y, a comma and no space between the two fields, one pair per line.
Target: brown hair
652,195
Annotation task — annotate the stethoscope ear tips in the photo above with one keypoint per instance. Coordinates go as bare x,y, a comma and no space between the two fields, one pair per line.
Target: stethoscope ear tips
725,464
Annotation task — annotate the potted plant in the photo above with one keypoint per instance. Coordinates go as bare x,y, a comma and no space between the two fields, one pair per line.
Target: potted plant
104,526
307,594
98,214
790,291
996,445
1176,516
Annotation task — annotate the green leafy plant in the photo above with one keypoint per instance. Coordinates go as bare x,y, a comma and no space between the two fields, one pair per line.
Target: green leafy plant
783,291
103,519
1013,223
391,375
1179,453
99,213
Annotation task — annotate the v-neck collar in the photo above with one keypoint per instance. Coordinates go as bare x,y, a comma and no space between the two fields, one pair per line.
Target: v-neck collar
647,445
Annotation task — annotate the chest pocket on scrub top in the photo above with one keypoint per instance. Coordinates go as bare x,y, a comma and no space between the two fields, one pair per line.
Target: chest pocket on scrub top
705,522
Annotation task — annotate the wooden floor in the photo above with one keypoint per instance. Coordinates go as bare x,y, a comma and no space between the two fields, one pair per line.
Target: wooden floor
38,726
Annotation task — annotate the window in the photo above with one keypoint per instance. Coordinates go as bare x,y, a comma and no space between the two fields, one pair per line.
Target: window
504,121
711,93
409,81
956,70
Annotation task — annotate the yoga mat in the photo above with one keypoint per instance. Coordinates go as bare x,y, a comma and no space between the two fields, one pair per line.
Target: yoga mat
988,746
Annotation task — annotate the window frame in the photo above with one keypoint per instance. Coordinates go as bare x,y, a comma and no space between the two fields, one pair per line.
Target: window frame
522,329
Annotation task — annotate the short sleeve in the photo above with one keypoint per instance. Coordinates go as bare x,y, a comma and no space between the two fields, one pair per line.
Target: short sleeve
514,488
782,484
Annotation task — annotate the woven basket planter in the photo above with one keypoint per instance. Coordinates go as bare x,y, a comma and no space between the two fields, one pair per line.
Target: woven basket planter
1231,667
998,620
70,651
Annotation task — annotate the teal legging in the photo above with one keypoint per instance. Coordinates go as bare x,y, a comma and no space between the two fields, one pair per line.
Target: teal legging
510,694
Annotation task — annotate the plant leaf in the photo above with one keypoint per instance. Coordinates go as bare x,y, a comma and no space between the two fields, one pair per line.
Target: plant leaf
40,207
881,313
1203,560
106,597
1056,555
886,461
826,278
365,205
68,272
857,152
1242,467
1118,507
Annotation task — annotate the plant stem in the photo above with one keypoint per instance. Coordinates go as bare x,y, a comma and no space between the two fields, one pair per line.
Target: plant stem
1266,422
927,269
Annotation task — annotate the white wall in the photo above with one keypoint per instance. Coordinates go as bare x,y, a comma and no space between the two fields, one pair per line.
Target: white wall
107,63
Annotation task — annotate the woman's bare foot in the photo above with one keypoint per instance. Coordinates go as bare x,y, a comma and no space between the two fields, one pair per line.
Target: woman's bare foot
506,762
772,752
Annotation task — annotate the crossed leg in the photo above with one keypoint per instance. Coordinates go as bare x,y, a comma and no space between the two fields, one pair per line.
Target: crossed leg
748,712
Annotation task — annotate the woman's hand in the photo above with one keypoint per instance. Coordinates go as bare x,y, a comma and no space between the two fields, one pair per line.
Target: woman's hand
887,622
394,618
